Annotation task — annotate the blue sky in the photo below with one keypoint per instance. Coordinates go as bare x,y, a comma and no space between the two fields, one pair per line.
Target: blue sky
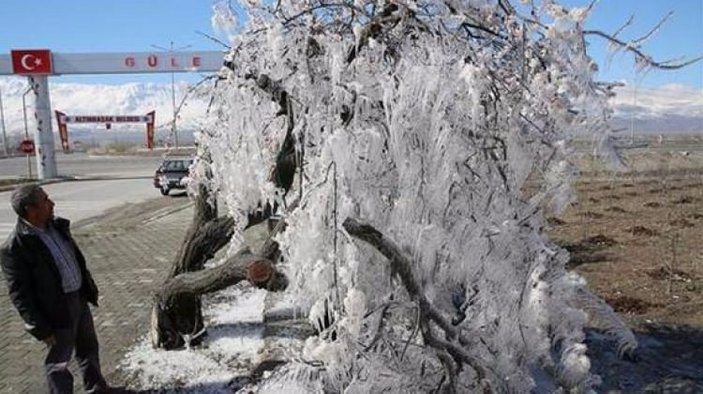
681,36
136,25
106,26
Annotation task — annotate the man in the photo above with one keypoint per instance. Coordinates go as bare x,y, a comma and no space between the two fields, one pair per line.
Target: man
50,286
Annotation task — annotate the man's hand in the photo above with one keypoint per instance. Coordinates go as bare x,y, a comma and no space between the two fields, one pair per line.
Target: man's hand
50,340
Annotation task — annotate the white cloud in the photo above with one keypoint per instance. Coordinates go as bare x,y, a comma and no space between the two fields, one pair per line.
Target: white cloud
667,100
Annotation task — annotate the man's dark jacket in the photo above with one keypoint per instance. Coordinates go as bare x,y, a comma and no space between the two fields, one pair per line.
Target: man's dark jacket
34,281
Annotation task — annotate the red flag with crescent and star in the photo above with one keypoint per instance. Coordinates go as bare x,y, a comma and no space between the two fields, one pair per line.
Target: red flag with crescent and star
31,61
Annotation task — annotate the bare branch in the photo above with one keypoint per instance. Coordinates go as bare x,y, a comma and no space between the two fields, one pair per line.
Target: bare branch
323,6
213,39
654,29
624,26
207,281
233,270
641,56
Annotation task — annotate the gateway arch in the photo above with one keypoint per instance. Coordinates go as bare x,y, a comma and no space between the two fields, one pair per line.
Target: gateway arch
37,65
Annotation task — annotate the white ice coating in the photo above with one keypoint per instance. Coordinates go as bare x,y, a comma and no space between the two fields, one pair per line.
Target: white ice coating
430,136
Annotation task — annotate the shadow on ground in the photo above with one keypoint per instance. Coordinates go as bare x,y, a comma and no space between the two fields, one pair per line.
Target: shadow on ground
669,360
198,389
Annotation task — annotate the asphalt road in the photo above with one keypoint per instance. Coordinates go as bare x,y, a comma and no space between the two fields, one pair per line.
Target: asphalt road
128,180
83,165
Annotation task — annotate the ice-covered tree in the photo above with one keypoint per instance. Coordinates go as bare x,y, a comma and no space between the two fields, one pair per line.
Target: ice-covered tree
396,140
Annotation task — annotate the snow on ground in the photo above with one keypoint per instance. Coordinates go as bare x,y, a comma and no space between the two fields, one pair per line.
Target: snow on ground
234,319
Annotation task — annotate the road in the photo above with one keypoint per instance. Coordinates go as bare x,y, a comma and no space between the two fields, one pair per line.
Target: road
84,165
129,181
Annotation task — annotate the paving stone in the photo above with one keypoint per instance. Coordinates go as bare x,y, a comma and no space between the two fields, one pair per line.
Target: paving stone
128,257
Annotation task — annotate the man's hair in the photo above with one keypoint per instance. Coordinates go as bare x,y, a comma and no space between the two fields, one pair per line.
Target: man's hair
24,196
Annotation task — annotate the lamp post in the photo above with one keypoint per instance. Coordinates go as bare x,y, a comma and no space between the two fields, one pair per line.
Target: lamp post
4,132
174,128
26,128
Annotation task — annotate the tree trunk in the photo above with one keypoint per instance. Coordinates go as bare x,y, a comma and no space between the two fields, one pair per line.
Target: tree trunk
177,318
191,285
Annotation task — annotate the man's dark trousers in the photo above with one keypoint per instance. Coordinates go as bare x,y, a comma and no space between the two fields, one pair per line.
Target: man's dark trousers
80,336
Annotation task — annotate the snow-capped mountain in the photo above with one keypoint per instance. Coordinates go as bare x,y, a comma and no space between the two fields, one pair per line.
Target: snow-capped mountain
96,99
672,108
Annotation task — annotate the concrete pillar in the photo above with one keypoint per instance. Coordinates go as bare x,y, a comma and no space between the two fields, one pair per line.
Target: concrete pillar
44,135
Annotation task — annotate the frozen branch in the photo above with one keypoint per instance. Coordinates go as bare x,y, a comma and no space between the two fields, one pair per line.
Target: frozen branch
287,158
435,114
401,266
379,24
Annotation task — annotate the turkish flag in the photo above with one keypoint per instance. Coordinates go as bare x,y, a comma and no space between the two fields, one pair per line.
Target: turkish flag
31,61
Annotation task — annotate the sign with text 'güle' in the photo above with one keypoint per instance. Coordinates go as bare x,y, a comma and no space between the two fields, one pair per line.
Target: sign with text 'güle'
44,62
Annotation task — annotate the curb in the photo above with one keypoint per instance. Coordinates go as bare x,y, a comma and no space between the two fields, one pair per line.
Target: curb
167,211
19,181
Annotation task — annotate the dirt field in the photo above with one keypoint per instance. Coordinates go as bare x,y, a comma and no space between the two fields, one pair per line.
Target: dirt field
637,237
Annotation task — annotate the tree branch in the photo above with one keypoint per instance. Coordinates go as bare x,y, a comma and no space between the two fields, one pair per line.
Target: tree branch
653,30
641,56
402,266
203,243
233,270
374,28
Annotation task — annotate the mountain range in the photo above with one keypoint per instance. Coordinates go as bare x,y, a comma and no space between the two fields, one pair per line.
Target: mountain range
665,110
668,109
95,99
